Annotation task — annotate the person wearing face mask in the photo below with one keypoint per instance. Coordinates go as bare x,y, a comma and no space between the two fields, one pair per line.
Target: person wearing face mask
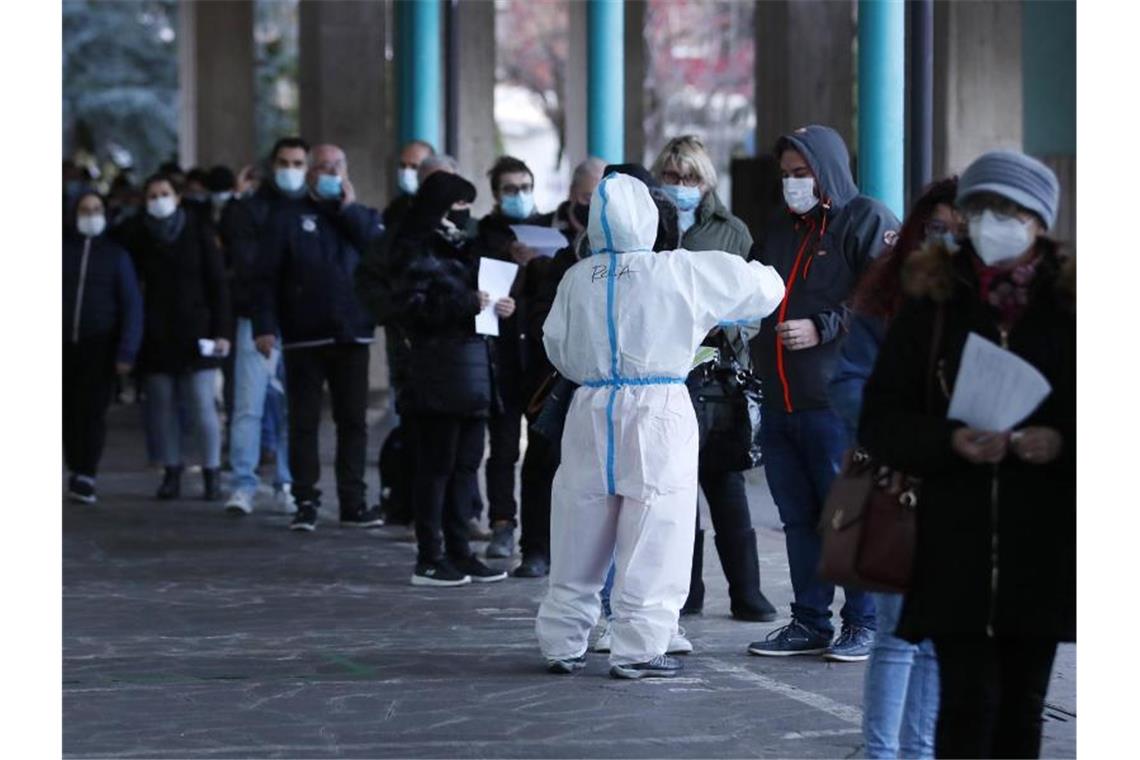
572,215
450,389
512,185
196,188
900,694
687,174
244,223
303,290
994,582
102,330
408,163
220,182
821,243
186,301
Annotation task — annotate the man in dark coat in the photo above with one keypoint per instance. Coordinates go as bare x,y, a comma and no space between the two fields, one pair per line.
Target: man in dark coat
820,244
304,291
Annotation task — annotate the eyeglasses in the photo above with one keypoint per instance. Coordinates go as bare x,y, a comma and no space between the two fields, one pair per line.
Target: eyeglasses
673,178
516,189
936,227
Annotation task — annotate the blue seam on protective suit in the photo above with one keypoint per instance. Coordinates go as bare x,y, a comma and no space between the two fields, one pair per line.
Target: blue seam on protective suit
619,382
611,327
742,322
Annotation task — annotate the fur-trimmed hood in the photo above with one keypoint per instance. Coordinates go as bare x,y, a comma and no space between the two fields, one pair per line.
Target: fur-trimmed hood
935,272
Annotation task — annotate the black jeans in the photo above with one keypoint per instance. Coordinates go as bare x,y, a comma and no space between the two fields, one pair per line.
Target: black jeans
727,499
539,465
88,383
992,695
448,452
505,429
345,367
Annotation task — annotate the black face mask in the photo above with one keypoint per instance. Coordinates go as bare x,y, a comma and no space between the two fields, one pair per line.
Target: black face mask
460,217
581,213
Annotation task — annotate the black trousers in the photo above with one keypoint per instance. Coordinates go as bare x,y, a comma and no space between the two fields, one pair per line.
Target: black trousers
88,383
727,499
448,453
539,465
344,366
992,695
505,429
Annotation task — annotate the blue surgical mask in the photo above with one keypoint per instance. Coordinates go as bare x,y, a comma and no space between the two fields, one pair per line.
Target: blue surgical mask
684,198
289,180
328,186
518,206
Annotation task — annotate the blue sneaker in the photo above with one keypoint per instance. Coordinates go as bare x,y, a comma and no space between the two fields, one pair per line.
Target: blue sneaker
567,666
661,666
853,645
794,638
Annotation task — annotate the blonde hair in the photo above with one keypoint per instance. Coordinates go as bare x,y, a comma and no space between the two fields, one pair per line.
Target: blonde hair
687,153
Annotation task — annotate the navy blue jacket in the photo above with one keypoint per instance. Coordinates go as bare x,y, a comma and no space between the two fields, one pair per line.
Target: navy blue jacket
857,355
821,256
242,224
101,296
303,284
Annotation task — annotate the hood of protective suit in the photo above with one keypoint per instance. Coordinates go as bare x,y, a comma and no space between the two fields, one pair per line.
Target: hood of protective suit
826,154
623,216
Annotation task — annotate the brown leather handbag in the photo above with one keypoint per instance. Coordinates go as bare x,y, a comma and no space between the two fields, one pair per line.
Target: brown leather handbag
869,522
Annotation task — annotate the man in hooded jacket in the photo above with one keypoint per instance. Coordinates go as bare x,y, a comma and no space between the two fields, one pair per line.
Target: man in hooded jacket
625,325
820,243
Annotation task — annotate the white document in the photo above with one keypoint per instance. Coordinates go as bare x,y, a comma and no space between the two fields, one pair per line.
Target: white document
547,241
271,363
996,389
209,348
495,279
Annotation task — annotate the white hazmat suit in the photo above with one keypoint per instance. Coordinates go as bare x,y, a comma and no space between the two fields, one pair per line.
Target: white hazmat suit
625,325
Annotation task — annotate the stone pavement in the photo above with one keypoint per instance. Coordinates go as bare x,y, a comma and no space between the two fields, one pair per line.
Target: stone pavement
188,633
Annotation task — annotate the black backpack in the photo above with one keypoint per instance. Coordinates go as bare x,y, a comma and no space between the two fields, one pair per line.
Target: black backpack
396,465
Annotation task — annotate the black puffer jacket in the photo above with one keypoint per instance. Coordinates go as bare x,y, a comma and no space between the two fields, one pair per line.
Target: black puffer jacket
241,227
435,300
996,546
821,256
185,296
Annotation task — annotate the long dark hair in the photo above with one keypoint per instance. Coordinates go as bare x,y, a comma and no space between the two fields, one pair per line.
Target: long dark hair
879,293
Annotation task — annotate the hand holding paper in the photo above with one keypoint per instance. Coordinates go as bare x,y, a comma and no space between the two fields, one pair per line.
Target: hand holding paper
495,279
995,389
545,240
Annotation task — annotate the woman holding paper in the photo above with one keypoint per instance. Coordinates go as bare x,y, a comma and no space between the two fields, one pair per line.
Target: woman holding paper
451,383
186,311
995,577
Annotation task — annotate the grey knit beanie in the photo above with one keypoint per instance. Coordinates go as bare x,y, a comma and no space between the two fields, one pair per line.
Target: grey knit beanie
1016,176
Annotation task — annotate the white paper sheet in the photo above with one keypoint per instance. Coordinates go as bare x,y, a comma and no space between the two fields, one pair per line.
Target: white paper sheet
547,241
995,389
495,279
209,348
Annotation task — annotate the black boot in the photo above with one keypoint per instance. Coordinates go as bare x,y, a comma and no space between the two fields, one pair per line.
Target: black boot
696,600
741,565
212,482
171,487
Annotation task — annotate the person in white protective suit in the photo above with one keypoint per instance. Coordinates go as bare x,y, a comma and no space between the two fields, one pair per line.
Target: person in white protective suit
625,325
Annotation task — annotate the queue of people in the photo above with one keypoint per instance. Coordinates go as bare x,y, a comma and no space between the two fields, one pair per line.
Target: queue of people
853,324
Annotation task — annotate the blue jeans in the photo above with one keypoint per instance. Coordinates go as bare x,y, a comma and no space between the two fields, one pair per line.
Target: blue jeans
900,690
802,455
251,387
195,392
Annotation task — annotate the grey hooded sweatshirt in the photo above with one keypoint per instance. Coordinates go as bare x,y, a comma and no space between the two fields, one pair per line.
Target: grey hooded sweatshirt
821,256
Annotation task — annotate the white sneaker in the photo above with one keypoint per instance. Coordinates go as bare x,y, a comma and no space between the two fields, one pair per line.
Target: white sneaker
604,640
678,644
240,503
283,498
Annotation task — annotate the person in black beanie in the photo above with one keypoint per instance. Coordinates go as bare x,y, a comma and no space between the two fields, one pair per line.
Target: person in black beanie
450,390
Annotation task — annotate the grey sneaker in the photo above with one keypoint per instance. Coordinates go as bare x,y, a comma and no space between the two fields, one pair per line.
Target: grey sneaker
793,638
502,543
662,666
240,503
567,666
853,645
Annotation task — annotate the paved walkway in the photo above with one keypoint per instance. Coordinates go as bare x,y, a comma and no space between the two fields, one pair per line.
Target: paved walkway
188,633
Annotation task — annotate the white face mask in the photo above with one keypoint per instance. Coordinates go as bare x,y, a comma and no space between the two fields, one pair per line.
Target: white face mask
799,194
91,225
289,180
997,239
161,207
408,181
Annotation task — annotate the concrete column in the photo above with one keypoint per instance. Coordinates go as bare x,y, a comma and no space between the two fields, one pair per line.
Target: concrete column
635,63
420,26
474,95
977,81
216,73
882,99
343,89
575,93
804,68
605,65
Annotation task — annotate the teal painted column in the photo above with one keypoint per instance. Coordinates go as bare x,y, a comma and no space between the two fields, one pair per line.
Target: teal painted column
605,79
419,63
882,93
